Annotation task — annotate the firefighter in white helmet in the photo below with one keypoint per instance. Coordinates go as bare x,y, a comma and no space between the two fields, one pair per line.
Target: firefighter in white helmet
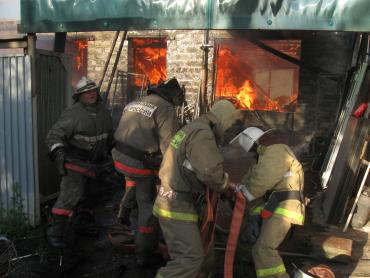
79,144
274,188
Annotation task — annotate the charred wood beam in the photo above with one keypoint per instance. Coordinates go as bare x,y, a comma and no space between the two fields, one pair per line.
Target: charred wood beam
14,43
115,64
293,60
203,95
60,42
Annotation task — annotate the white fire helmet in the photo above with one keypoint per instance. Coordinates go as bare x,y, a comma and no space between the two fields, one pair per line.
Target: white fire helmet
248,137
85,84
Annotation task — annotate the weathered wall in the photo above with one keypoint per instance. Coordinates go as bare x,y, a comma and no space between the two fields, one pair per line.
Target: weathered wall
330,54
318,98
184,56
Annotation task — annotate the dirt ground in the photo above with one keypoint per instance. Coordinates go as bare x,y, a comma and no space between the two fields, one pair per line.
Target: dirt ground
91,257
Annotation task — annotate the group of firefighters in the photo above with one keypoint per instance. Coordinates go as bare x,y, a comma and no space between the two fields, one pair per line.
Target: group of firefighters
173,176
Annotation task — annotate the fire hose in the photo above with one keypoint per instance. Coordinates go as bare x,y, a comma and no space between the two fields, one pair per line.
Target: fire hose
232,241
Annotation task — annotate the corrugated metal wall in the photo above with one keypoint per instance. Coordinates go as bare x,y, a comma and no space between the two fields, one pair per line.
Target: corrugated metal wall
51,87
16,136
24,123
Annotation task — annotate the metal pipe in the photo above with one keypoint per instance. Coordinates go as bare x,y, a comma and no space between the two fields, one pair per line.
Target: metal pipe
203,90
24,257
109,57
114,93
115,65
367,53
214,81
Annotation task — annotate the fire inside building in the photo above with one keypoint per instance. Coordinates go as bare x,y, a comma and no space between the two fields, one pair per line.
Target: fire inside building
256,79
304,75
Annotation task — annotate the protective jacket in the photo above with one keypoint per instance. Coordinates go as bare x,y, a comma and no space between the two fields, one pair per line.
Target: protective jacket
146,127
191,161
278,170
86,134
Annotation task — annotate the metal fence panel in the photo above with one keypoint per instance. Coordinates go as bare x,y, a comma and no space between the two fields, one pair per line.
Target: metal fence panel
16,137
52,91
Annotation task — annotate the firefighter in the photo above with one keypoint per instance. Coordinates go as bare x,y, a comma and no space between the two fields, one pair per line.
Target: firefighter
79,144
274,188
192,165
144,133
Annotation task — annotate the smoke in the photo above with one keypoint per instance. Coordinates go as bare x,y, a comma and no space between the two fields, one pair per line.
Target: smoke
302,147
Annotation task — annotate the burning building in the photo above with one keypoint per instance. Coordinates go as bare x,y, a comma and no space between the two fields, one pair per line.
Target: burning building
291,80
299,67
273,74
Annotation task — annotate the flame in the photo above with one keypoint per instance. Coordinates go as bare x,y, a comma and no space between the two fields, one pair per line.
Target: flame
235,73
80,57
246,96
149,59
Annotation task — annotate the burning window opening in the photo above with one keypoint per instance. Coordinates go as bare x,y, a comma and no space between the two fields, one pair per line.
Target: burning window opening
78,50
81,54
255,79
149,58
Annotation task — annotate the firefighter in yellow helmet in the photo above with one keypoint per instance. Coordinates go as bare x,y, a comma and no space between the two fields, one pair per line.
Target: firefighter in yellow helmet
191,164
274,188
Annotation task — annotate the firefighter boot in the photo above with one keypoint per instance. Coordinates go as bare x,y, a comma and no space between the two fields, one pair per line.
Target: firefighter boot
56,233
123,216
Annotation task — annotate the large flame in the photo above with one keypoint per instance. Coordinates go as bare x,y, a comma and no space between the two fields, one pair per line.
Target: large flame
235,74
149,59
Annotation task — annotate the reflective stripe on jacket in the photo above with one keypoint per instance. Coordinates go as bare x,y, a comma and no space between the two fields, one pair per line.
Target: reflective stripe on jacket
85,132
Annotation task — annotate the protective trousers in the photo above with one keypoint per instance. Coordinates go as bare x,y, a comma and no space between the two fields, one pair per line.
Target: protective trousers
72,194
185,248
128,202
72,189
148,229
267,261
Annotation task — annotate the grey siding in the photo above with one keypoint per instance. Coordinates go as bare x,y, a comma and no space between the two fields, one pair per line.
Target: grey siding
16,136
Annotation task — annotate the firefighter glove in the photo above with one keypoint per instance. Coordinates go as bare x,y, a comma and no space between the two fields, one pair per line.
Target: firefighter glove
58,156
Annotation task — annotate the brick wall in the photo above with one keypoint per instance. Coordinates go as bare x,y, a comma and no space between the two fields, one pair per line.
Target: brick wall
318,98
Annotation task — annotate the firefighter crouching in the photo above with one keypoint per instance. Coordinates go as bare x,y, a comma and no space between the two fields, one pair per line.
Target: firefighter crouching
274,186
143,135
79,144
191,165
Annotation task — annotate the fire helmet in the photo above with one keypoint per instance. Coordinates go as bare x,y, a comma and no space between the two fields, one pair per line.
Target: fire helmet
170,90
85,84
248,137
226,115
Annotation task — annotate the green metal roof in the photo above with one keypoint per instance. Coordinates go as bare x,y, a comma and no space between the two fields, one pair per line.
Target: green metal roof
100,15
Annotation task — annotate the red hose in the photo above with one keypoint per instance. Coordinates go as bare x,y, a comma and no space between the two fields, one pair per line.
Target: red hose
232,241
